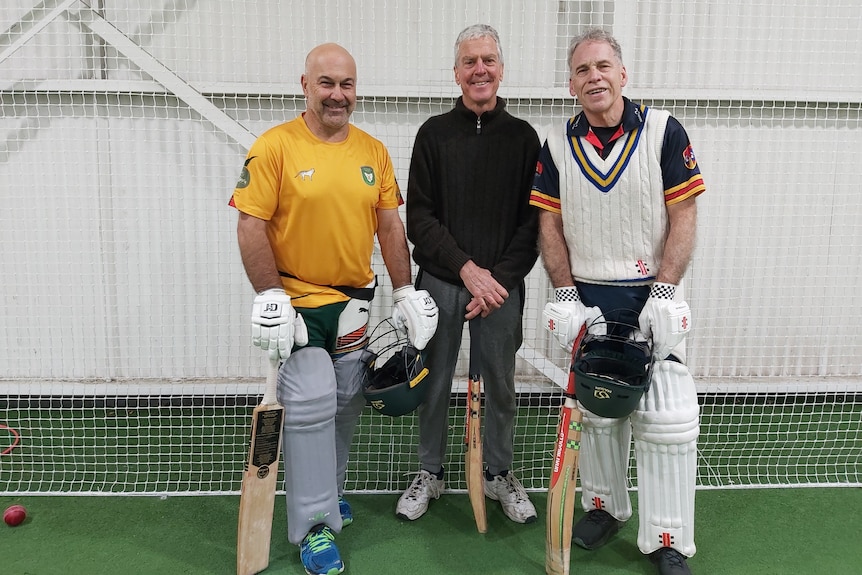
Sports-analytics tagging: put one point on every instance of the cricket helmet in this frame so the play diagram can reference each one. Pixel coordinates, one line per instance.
(398, 386)
(612, 371)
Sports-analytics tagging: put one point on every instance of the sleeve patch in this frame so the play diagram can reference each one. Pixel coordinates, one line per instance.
(688, 158)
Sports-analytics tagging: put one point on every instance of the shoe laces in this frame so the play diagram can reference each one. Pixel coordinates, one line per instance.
(514, 487)
(320, 540)
(423, 482)
(598, 516)
(674, 558)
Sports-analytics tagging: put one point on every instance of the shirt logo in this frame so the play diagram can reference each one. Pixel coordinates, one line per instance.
(245, 175)
(368, 175)
(642, 267)
(305, 175)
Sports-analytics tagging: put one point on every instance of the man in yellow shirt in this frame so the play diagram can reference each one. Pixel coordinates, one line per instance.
(313, 193)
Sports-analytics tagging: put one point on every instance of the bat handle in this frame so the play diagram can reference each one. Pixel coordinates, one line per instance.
(270, 391)
(570, 391)
(475, 361)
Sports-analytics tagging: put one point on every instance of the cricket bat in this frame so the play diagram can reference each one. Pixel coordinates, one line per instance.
(564, 476)
(257, 498)
(474, 464)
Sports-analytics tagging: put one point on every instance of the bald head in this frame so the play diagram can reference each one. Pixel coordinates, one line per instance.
(329, 85)
(327, 55)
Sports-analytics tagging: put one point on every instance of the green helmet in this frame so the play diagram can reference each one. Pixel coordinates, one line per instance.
(612, 372)
(397, 387)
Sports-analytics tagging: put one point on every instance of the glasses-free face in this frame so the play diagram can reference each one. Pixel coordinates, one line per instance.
(329, 85)
(478, 71)
(597, 81)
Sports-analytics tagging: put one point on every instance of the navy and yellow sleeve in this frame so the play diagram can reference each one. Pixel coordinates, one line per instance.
(546, 183)
(680, 173)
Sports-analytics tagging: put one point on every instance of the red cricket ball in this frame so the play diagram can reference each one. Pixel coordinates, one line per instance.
(15, 515)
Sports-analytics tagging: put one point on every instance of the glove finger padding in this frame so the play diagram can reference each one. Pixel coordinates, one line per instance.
(282, 342)
(560, 322)
(274, 323)
(564, 320)
(300, 332)
(667, 322)
(415, 312)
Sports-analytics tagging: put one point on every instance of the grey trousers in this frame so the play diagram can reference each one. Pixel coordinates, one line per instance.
(501, 338)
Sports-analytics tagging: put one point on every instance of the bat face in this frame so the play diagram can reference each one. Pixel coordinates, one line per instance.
(265, 441)
(473, 463)
(561, 490)
(260, 474)
(564, 476)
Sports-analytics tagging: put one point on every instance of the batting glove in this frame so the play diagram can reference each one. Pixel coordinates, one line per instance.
(415, 313)
(567, 314)
(665, 320)
(275, 325)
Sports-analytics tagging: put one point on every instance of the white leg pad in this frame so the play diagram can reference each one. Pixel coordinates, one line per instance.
(306, 389)
(666, 427)
(604, 462)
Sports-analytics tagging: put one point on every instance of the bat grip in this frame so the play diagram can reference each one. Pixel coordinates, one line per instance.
(270, 391)
(570, 391)
(475, 367)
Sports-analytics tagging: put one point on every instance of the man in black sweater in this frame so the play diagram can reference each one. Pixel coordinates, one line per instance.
(475, 240)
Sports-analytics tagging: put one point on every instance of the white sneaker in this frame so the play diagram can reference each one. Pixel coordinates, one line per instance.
(512, 496)
(414, 503)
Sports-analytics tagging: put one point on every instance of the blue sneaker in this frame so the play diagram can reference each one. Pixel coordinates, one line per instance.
(319, 554)
(346, 512)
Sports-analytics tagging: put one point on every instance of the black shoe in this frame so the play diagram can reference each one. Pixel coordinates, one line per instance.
(594, 529)
(669, 562)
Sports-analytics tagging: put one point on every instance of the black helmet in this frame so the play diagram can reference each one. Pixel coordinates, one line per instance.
(612, 372)
(395, 388)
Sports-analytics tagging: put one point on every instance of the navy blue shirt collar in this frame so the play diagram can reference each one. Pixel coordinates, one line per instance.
(633, 117)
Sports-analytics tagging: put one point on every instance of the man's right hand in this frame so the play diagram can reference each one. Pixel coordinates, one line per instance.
(275, 325)
(564, 317)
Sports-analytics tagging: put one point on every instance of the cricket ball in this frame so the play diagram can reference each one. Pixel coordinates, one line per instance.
(15, 515)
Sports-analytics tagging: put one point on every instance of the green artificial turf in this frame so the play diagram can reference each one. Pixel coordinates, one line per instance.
(812, 531)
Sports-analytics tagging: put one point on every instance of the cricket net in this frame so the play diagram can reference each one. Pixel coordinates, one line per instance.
(126, 365)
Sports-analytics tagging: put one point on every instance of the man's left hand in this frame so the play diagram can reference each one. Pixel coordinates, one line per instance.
(665, 320)
(415, 312)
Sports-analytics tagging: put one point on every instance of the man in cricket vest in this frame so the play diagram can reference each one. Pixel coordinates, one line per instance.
(616, 186)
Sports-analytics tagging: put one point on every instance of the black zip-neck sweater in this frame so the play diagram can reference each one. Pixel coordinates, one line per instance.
(468, 194)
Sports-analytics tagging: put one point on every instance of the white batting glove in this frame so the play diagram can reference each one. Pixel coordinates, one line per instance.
(275, 325)
(565, 317)
(415, 313)
(664, 319)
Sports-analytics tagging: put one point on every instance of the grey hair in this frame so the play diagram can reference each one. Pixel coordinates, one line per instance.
(478, 31)
(594, 35)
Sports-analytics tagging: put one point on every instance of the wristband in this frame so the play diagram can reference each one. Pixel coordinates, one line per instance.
(569, 293)
(661, 290)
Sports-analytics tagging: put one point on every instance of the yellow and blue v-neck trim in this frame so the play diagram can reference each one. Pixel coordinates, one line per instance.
(605, 180)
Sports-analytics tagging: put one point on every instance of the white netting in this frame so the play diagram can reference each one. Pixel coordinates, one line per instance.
(125, 361)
